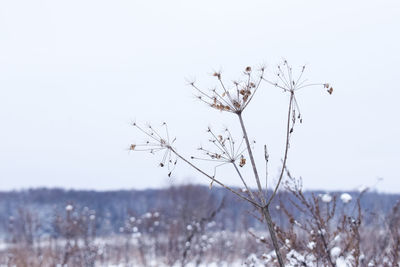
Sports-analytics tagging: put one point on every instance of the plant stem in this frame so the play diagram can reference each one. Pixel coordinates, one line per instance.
(266, 157)
(264, 209)
(286, 150)
(267, 216)
(253, 163)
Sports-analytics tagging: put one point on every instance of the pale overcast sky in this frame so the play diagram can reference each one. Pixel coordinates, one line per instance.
(74, 74)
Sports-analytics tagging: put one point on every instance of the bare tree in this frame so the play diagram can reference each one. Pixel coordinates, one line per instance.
(226, 150)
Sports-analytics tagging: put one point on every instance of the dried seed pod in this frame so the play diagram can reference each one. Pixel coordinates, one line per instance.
(242, 161)
(236, 104)
(217, 74)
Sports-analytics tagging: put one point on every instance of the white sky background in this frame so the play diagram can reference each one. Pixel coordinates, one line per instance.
(74, 74)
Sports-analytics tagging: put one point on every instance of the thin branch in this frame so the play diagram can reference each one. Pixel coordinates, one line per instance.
(244, 182)
(266, 157)
(276, 85)
(286, 149)
(213, 179)
(255, 90)
(225, 90)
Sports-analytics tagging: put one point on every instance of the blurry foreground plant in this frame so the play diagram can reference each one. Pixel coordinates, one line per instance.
(234, 99)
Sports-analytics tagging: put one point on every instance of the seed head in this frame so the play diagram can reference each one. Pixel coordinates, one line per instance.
(233, 98)
(242, 161)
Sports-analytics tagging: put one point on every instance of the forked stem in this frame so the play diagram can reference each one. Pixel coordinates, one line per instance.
(264, 208)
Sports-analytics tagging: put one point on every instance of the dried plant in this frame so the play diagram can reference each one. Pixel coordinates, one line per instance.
(155, 143)
(235, 98)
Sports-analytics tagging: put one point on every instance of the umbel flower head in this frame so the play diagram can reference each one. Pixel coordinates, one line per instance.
(224, 150)
(290, 82)
(235, 97)
(156, 143)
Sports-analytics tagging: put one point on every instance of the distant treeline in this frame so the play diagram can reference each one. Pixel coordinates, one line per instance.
(113, 208)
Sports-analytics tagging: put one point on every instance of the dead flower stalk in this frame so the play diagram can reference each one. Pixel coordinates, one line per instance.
(224, 149)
